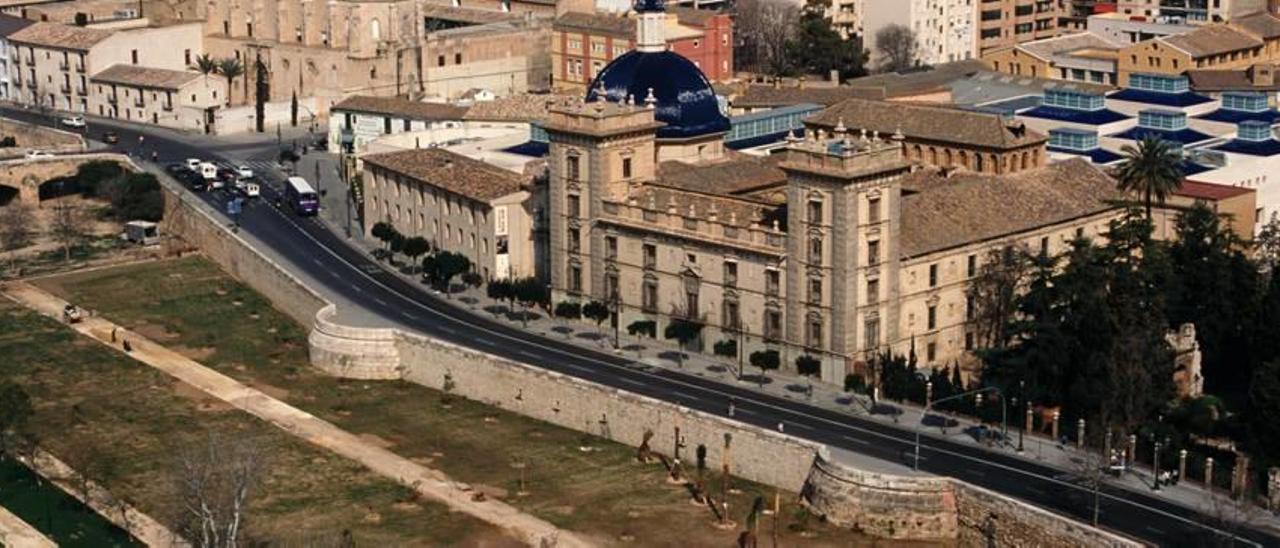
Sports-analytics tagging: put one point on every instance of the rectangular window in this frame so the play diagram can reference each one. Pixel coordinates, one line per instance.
(772, 280)
(815, 250)
(650, 256)
(405, 125)
(873, 210)
(611, 247)
(731, 319)
(611, 286)
(626, 168)
(573, 206)
(575, 278)
(968, 340)
(815, 212)
(1044, 245)
(933, 275)
(931, 352)
(813, 337)
(650, 295)
(871, 333)
(133, 54)
(772, 324)
(873, 252)
(386, 125)
(730, 274)
(815, 291)
(933, 317)
(873, 290)
(691, 303)
(575, 245)
(968, 308)
(972, 268)
(572, 168)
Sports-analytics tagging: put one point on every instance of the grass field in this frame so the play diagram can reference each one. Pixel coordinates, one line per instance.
(605, 494)
(93, 405)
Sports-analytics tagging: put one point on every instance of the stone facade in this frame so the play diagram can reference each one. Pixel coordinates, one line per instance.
(26, 175)
(990, 519)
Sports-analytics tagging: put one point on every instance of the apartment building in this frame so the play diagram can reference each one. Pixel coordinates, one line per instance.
(583, 43)
(945, 29)
(9, 90)
(1005, 23)
(180, 99)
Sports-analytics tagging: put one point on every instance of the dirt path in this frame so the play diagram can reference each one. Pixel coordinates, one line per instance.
(430, 483)
(20, 534)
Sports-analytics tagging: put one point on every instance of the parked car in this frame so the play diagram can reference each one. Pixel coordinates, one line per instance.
(244, 172)
(110, 137)
(73, 121)
(194, 164)
(193, 180)
(249, 188)
(33, 154)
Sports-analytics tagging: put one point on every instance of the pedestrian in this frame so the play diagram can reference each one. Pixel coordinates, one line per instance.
(155, 156)
(780, 428)
(732, 404)
(127, 347)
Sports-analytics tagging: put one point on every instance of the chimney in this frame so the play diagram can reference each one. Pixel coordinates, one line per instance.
(1262, 74)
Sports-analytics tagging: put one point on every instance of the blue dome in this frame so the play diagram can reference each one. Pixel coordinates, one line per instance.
(686, 102)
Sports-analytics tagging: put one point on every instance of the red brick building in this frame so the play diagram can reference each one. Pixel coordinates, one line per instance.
(583, 43)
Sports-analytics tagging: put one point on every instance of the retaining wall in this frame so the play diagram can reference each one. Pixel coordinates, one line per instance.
(882, 505)
(991, 519)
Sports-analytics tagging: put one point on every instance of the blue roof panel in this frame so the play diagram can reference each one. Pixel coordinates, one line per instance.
(1236, 116)
(1192, 168)
(1089, 117)
(685, 100)
(1270, 147)
(760, 140)
(1098, 156)
(1184, 136)
(1187, 99)
(533, 149)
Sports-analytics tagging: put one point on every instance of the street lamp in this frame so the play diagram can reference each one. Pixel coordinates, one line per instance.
(1155, 461)
(929, 404)
(1022, 389)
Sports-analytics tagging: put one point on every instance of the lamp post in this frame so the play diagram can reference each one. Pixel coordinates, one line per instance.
(1155, 467)
(616, 304)
(1022, 389)
(928, 404)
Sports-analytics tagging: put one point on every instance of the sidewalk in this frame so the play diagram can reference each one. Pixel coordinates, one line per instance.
(431, 483)
(20, 534)
(961, 429)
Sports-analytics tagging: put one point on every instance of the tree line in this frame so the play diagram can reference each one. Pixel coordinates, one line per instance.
(779, 38)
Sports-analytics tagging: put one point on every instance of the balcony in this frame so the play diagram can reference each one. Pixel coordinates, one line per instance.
(63, 66)
(65, 89)
(139, 103)
(79, 66)
(81, 91)
(168, 107)
(31, 61)
(112, 99)
(31, 84)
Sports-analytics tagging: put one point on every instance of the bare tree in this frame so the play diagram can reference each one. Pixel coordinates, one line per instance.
(1091, 468)
(68, 227)
(215, 480)
(762, 29)
(1231, 515)
(993, 294)
(896, 45)
(16, 223)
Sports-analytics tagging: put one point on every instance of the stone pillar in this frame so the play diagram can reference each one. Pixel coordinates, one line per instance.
(1182, 464)
(1026, 428)
(928, 392)
(1208, 473)
(1132, 450)
(1080, 433)
(1055, 426)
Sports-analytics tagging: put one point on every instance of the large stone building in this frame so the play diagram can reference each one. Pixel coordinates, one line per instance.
(9, 91)
(171, 98)
(840, 248)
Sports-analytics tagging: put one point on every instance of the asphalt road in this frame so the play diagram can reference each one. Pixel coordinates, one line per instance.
(333, 263)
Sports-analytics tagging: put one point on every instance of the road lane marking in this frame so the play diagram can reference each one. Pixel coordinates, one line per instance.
(631, 382)
(856, 440)
(684, 395)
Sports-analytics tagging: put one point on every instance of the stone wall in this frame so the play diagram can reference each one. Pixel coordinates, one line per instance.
(353, 352)
(990, 519)
(193, 222)
(28, 136)
(881, 505)
(26, 175)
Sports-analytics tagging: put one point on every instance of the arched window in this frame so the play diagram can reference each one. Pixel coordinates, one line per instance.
(1024, 160)
(977, 166)
(950, 159)
(375, 30)
(964, 159)
(933, 156)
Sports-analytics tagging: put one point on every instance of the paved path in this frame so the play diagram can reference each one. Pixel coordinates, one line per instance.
(430, 483)
(16, 533)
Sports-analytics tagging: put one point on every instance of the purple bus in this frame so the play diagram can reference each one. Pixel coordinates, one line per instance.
(302, 198)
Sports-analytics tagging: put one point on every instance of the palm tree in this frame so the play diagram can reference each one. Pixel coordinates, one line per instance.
(205, 64)
(230, 68)
(1152, 169)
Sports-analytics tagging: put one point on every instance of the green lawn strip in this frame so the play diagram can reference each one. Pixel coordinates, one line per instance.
(604, 493)
(91, 402)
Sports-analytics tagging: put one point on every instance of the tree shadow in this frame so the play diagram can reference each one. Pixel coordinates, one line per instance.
(797, 388)
(673, 356)
(523, 315)
(563, 330)
(497, 309)
(717, 368)
(468, 300)
(885, 409)
(844, 400)
(756, 379)
(591, 335)
(939, 421)
(634, 347)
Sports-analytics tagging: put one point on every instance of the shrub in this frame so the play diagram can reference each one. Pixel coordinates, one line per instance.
(727, 347)
(807, 365)
(854, 382)
(766, 359)
(93, 174)
(138, 196)
(569, 310)
(648, 328)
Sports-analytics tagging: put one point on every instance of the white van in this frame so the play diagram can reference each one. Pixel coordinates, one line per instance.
(194, 164)
(209, 171)
(249, 188)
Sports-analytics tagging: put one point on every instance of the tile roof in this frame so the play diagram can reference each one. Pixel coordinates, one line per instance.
(1210, 191)
(1212, 40)
(597, 23)
(952, 211)
(1227, 80)
(405, 108)
(450, 171)
(1049, 47)
(692, 16)
(917, 81)
(934, 123)
(10, 24)
(528, 107)
(738, 174)
(1261, 24)
(466, 15)
(60, 36)
(133, 75)
(767, 95)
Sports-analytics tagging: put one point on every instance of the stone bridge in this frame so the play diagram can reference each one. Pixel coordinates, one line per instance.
(26, 175)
